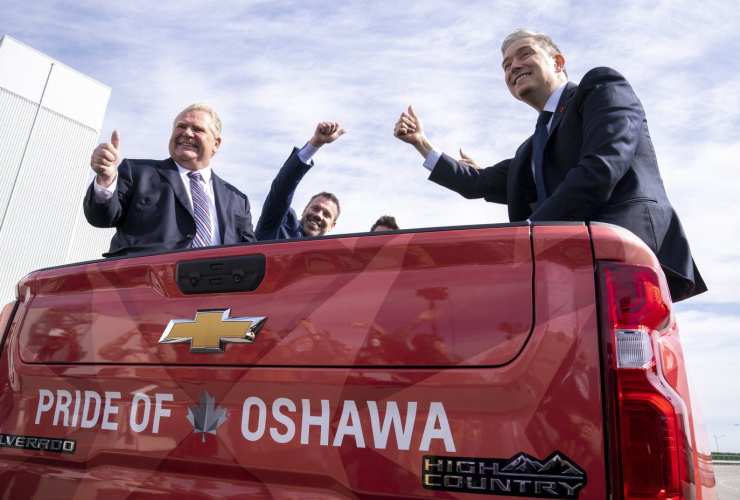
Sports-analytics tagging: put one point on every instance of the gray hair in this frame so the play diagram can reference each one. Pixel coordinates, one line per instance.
(545, 42)
(199, 106)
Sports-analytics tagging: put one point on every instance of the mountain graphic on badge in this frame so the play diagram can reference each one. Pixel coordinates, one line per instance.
(523, 463)
(208, 417)
(557, 465)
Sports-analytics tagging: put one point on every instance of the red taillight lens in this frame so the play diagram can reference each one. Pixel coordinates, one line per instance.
(648, 439)
(650, 430)
(634, 297)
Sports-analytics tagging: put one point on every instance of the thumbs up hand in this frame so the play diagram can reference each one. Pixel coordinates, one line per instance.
(409, 128)
(105, 160)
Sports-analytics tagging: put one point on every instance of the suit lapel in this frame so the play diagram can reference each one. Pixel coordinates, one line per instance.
(221, 193)
(568, 91)
(168, 170)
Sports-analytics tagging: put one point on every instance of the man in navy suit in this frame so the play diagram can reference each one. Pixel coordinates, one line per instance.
(278, 220)
(170, 204)
(590, 159)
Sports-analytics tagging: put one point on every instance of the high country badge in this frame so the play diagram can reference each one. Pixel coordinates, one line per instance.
(210, 330)
(521, 476)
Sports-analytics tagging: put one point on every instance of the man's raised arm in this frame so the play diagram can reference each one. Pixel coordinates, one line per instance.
(463, 176)
(278, 220)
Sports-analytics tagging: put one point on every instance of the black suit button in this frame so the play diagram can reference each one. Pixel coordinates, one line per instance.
(569, 217)
(191, 236)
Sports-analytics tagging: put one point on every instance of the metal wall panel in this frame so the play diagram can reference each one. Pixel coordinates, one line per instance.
(43, 210)
(16, 119)
(23, 71)
(45, 163)
(87, 242)
(76, 96)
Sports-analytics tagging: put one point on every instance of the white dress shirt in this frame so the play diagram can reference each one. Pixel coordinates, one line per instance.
(102, 194)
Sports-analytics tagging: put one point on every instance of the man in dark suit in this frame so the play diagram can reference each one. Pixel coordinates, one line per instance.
(590, 159)
(278, 220)
(170, 204)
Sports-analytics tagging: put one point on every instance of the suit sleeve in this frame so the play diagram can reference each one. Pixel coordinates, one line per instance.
(613, 119)
(277, 204)
(247, 234)
(112, 212)
(472, 183)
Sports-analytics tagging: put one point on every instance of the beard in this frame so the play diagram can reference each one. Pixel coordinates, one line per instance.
(311, 230)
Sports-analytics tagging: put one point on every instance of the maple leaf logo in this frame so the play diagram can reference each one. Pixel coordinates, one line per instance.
(206, 419)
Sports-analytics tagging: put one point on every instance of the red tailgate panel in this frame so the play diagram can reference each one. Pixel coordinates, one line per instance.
(318, 431)
(424, 299)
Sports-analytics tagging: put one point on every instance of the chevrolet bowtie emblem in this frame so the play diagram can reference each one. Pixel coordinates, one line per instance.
(210, 330)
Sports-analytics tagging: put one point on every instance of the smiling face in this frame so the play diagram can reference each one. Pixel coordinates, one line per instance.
(319, 217)
(193, 141)
(531, 74)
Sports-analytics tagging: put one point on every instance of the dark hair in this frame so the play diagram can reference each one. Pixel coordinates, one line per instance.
(387, 221)
(328, 196)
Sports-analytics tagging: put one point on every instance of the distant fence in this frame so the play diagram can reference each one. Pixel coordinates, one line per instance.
(726, 458)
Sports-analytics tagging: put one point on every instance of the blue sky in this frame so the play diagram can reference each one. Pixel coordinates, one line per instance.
(273, 70)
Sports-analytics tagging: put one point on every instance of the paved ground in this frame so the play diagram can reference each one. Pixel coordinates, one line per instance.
(728, 481)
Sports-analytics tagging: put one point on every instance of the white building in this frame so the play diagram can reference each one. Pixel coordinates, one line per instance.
(50, 118)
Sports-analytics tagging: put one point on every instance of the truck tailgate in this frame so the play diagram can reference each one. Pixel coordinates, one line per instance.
(428, 299)
(433, 364)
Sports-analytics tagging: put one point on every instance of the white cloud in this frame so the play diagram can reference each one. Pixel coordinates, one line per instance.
(711, 350)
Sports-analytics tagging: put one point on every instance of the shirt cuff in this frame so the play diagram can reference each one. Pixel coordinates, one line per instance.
(432, 159)
(306, 152)
(104, 194)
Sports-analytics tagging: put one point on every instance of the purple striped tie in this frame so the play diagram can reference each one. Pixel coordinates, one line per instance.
(200, 211)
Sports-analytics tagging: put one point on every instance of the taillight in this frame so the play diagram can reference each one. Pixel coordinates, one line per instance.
(651, 441)
(6, 315)
(634, 297)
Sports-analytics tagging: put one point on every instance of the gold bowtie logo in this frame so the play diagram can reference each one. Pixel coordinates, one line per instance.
(210, 330)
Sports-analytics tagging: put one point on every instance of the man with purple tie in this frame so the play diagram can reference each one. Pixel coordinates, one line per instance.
(171, 204)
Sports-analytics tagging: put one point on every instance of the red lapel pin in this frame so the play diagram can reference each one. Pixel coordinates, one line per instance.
(561, 109)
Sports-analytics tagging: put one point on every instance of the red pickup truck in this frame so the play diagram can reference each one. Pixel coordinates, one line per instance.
(514, 360)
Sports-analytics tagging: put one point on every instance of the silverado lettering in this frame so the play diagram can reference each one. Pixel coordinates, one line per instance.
(37, 443)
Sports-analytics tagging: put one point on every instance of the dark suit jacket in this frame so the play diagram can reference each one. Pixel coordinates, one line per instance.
(278, 221)
(151, 210)
(599, 165)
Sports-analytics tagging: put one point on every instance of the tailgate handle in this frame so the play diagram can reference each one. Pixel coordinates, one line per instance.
(230, 274)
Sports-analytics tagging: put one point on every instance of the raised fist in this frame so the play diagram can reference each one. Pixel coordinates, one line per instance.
(326, 132)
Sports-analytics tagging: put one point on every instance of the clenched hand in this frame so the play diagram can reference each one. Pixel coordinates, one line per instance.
(105, 160)
(410, 130)
(409, 127)
(326, 133)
